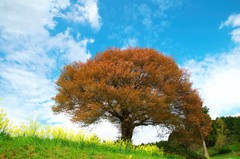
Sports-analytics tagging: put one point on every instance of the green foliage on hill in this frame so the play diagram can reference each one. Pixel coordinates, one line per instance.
(170, 148)
(224, 139)
(225, 131)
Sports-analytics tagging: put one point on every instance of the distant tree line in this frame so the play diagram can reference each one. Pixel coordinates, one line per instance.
(225, 131)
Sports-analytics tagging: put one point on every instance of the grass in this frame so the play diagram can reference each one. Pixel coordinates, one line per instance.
(231, 151)
(235, 155)
(34, 141)
(37, 148)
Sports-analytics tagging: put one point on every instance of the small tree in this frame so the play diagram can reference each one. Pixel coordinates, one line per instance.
(221, 133)
(131, 88)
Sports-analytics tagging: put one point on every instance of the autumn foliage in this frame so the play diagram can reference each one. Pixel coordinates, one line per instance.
(131, 88)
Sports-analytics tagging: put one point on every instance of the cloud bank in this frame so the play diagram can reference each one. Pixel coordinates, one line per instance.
(31, 58)
(217, 77)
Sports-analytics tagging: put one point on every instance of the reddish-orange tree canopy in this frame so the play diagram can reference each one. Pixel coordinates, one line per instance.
(131, 87)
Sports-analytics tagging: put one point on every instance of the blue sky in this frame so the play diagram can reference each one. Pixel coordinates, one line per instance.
(37, 38)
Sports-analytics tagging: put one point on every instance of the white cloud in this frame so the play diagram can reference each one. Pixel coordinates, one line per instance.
(104, 129)
(237, 115)
(30, 58)
(85, 11)
(27, 17)
(74, 50)
(233, 21)
(217, 79)
(236, 35)
(143, 134)
(149, 134)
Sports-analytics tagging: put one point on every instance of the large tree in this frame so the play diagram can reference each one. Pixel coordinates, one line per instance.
(131, 88)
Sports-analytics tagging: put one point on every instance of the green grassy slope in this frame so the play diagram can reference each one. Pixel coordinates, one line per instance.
(227, 156)
(35, 147)
(36, 141)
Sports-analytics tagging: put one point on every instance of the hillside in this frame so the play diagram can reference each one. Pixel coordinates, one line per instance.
(36, 141)
(35, 147)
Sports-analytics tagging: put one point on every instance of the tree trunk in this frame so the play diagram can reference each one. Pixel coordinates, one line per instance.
(205, 149)
(204, 144)
(126, 130)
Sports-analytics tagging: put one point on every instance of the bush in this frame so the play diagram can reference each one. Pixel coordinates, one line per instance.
(224, 150)
(179, 150)
(212, 152)
(221, 150)
(4, 135)
(235, 147)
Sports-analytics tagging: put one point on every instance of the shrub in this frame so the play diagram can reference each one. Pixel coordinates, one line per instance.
(179, 150)
(212, 152)
(224, 150)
